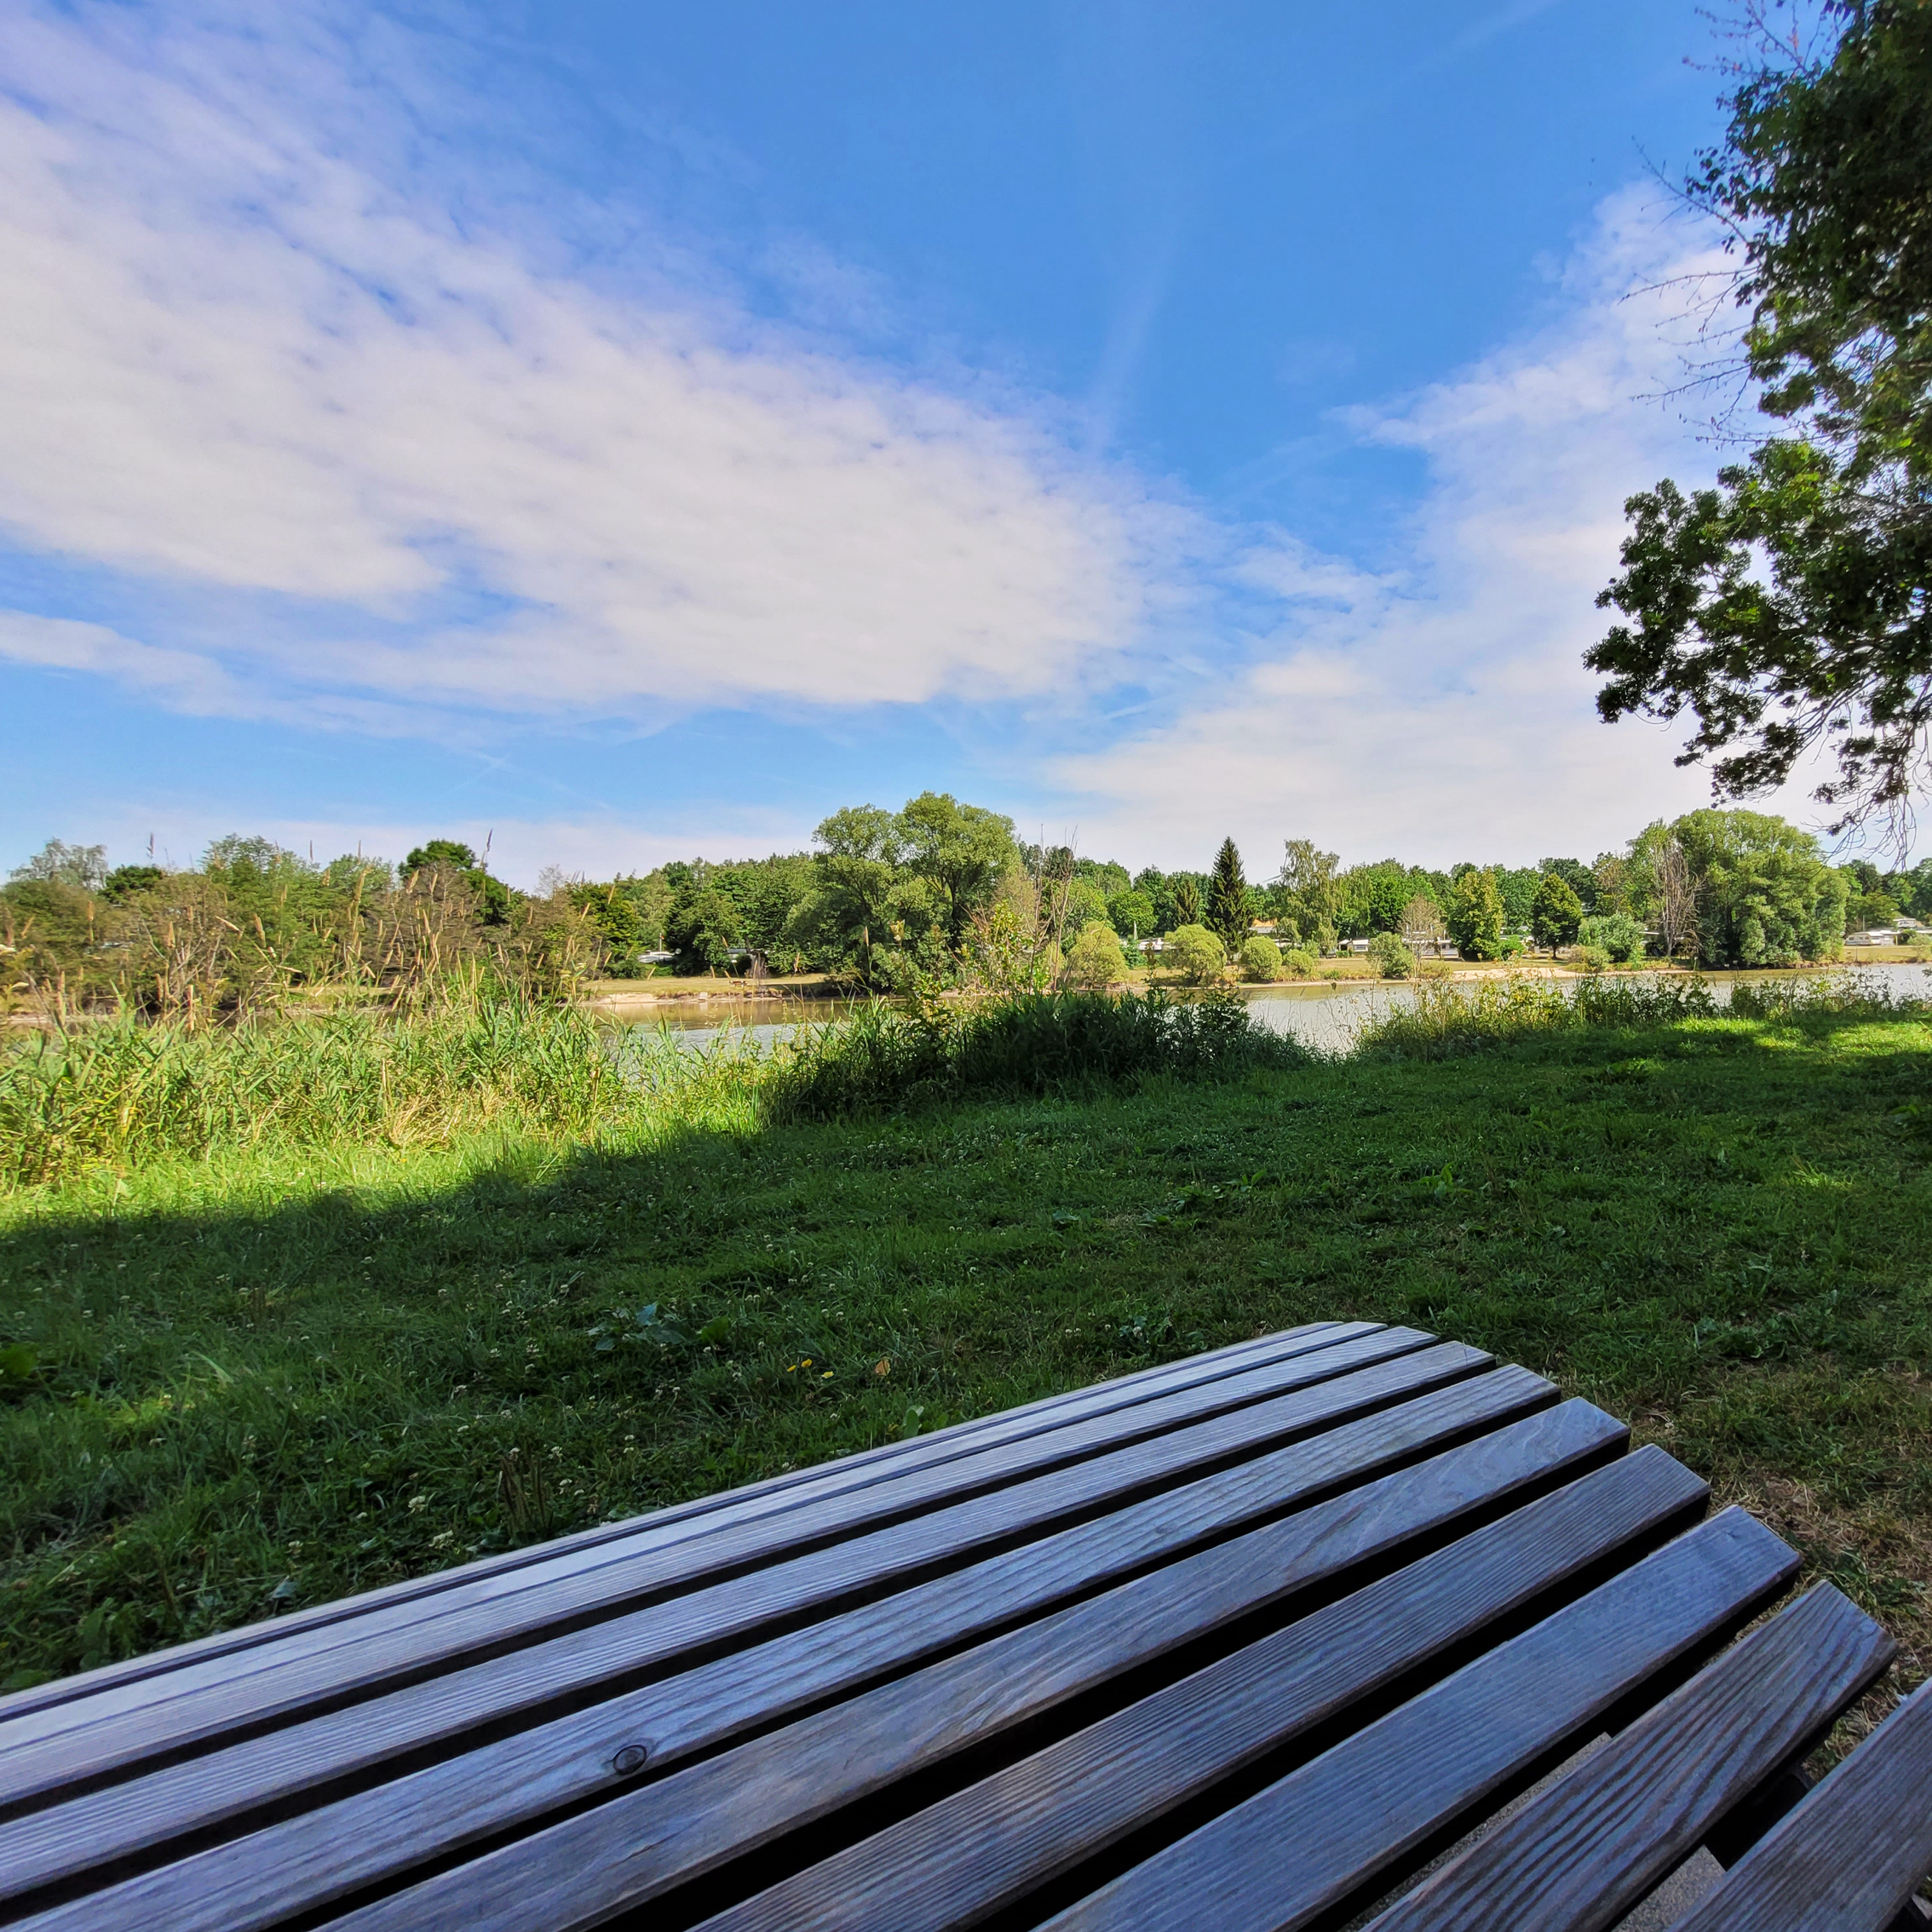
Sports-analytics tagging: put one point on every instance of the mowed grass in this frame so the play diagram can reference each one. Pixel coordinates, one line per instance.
(267, 1378)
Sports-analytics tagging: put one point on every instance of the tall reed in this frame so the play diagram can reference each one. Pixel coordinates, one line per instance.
(122, 1091)
(1448, 1017)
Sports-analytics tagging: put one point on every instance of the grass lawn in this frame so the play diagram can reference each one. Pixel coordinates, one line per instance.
(269, 1379)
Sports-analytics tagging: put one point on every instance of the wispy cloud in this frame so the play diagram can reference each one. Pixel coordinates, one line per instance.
(255, 350)
(1437, 704)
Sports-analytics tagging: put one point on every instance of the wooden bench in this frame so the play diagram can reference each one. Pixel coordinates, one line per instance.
(1245, 1640)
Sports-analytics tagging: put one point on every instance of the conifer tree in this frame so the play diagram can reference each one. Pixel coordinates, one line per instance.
(1228, 898)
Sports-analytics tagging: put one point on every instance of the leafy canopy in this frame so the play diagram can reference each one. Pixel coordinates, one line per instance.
(1310, 891)
(1474, 917)
(1555, 912)
(1825, 185)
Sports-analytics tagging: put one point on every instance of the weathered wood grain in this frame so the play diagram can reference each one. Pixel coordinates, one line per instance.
(838, 1476)
(786, 1778)
(1849, 1857)
(90, 1737)
(700, 1709)
(1582, 1854)
(1319, 1835)
(998, 1841)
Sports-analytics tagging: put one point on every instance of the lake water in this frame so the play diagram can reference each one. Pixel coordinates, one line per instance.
(1327, 1017)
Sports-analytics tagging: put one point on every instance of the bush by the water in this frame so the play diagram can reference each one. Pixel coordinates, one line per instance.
(1196, 954)
(1392, 960)
(1448, 1018)
(1097, 961)
(1616, 934)
(1260, 959)
(1035, 1044)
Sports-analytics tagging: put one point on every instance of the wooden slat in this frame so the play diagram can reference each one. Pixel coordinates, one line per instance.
(641, 1844)
(1582, 1854)
(1313, 1839)
(838, 1477)
(488, 1789)
(110, 1741)
(1850, 1856)
(1000, 1840)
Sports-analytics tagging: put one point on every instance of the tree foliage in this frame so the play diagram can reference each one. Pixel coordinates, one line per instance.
(1196, 954)
(1617, 935)
(492, 895)
(958, 850)
(1311, 894)
(1392, 959)
(1228, 898)
(1260, 959)
(704, 931)
(1095, 961)
(1765, 896)
(1375, 898)
(1825, 185)
(256, 925)
(1474, 915)
(1556, 913)
(1132, 913)
(82, 867)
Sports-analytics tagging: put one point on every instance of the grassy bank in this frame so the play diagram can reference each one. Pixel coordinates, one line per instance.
(260, 1364)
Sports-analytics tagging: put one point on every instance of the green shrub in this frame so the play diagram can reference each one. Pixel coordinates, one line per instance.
(1591, 958)
(1844, 996)
(1032, 1043)
(1261, 958)
(1095, 961)
(1447, 1018)
(1196, 954)
(1392, 959)
(1298, 963)
(1617, 934)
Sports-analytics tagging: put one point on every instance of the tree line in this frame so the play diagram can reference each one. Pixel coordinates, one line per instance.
(937, 893)
(253, 922)
(938, 888)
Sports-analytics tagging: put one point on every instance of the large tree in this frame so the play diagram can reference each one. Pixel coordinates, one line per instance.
(1555, 912)
(1474, 917)
(1790, 608)
(1765, 897)
(959, 850)
(1311, 890)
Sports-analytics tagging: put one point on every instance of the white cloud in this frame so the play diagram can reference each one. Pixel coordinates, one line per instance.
(183, 679)
(253, 343)
(1438, 707)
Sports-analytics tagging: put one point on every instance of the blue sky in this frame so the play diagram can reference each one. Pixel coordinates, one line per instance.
(627, 430)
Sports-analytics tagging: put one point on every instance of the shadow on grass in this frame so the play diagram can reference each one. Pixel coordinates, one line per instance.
(275, 1379)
